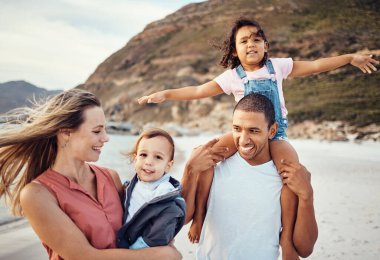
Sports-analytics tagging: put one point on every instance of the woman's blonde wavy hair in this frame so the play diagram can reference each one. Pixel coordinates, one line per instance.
(28, 141)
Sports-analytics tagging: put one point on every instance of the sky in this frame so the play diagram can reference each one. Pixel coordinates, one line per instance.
(57, 44)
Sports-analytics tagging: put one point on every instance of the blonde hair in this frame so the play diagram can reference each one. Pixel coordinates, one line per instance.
(30, 148)
(150, 133)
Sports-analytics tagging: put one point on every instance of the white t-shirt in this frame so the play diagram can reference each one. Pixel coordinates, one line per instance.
(243, 219)
(230, 81)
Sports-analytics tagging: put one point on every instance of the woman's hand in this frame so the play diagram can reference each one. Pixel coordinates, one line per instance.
(364, 62)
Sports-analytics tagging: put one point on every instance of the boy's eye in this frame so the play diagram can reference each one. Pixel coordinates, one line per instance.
(158, 157)
(142, 154)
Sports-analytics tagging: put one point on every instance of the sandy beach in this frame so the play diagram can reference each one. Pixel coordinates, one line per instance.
(346, 181)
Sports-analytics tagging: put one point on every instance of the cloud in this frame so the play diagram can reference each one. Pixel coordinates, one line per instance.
(58, 44)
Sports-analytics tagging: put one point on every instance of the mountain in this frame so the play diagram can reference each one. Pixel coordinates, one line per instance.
(178, 51)
(15, 94)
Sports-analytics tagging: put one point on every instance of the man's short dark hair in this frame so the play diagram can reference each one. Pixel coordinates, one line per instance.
(257, 103)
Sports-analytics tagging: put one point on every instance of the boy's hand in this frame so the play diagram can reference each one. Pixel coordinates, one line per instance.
(153, 98)
(364, 62)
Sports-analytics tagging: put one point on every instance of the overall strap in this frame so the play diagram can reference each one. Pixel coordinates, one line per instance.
(240, 71)
(270, 68)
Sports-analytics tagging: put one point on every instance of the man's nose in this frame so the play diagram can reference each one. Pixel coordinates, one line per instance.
(244, 138)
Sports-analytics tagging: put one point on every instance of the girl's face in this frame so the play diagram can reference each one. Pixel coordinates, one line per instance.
(86, 142)
(153, 158)
(250, 49)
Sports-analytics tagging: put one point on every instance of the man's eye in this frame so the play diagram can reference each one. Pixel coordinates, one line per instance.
(96, 132)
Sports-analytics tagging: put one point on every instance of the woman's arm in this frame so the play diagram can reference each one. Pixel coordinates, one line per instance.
(208, 89)
(57, 230)
(304, 68)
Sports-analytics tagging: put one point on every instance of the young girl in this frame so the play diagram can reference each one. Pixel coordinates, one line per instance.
(154, 209)
(246, 53)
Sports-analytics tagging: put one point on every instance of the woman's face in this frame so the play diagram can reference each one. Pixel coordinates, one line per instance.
(86, 142)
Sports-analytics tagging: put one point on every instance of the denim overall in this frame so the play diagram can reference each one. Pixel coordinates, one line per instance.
(268, 88)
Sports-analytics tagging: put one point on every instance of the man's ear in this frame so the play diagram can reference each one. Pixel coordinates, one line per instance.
(273, 130)
(169, 165)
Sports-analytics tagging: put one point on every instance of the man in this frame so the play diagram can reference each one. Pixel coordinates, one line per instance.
(243, 219)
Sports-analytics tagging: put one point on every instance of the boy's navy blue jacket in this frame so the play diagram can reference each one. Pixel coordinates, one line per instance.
(157, 221)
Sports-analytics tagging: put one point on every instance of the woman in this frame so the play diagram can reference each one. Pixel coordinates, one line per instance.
(74, 207)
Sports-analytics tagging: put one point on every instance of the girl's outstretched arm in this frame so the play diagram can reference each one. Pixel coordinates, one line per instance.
(304, 68)
(208, 89)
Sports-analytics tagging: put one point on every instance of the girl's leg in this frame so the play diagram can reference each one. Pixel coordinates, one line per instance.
(203, 189)
(281, 149)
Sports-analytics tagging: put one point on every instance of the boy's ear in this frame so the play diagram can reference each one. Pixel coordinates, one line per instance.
(169, 165)
(273, 130)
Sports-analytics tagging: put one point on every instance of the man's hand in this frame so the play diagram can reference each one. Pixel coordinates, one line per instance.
(153, 98)
(297, 177)
(206, 156)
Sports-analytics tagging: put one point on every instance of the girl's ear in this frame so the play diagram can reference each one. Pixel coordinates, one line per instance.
(266, 46)
(169, 165)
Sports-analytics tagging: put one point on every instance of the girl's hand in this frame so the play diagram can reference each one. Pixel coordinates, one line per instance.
(153, 98)
(364, 62)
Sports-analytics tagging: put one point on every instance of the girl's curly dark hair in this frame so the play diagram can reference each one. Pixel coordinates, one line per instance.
(229, 45)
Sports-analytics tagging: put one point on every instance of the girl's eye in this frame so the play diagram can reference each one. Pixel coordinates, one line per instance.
(142, 154)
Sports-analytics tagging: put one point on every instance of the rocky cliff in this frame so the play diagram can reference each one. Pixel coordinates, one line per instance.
(178, 51)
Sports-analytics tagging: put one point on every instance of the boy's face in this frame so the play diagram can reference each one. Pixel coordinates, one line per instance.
(153, 158)
(251, 136)
(250, 49)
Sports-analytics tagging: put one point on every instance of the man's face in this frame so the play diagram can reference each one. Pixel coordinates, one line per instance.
(251, 136)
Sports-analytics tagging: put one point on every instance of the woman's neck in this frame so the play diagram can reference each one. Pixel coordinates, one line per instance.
(71, 168)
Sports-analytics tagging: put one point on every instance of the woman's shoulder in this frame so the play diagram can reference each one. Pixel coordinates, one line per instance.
(112, 173)
(35, 192)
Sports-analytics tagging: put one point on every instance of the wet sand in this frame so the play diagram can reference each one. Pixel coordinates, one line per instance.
(346, 181)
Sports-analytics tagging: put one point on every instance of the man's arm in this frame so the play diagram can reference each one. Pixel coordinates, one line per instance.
(202, 158)
(305, 234)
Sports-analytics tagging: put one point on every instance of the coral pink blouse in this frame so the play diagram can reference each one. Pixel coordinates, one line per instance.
(98, 219)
